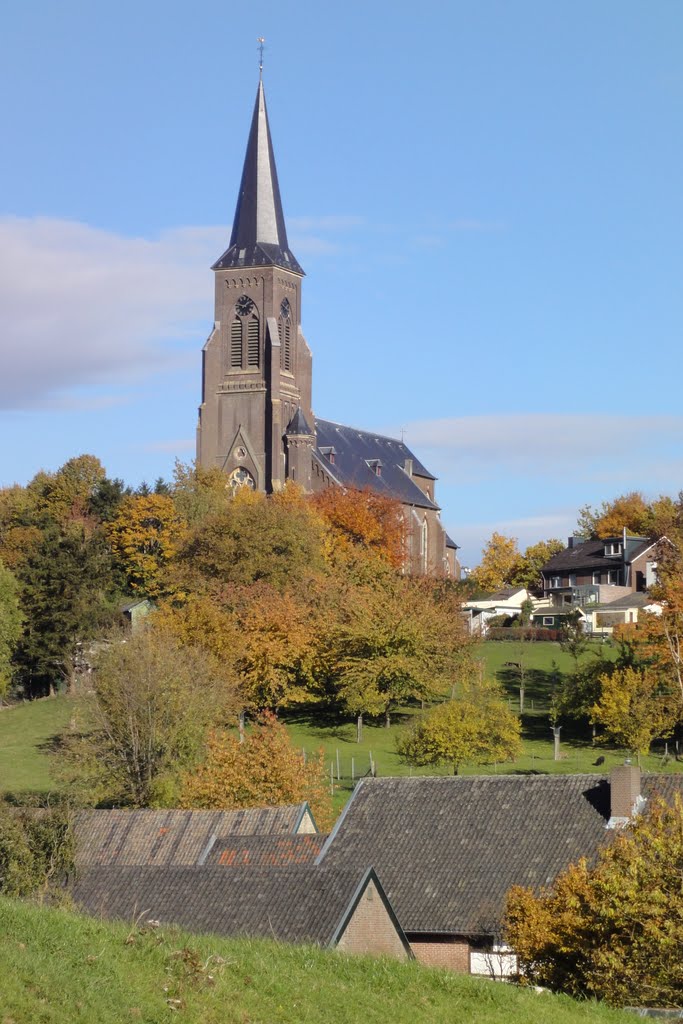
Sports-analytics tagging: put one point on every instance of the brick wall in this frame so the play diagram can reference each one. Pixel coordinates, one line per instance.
(441, 951)
(371, 929)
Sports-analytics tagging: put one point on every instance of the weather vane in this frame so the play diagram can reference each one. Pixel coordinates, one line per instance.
(261, 41)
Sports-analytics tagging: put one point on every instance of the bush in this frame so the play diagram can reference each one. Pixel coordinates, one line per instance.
(515, 633)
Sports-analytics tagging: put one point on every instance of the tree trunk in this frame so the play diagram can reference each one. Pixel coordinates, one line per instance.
(387, 719)
(455, 769)
(241, 725)
(359, 729)
(521, 700)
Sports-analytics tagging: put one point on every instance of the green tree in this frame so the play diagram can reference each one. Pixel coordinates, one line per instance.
(68, 598)
(464, 731)
(635, 707)
(11, 620)
(153, 705)
(611, 931)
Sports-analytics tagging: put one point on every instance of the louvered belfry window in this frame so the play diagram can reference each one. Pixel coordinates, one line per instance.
(236, 344)
(285, 335)
(253, 345)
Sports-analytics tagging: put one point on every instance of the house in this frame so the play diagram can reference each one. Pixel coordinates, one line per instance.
(135, 612)
(256, 421)
(599, 571)
(602, 618)
(344, 909)
(448, 849)
(178, 838)
(507, 601)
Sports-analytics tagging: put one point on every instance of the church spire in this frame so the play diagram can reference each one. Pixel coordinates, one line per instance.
(259, 236)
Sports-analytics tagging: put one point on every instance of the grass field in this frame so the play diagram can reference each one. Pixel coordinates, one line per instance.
(26, 731)
(60, 968)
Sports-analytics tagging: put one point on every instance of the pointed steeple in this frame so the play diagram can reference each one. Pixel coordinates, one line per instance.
(259, 236)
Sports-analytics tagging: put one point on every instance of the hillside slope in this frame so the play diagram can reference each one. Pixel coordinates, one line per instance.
(60, 968)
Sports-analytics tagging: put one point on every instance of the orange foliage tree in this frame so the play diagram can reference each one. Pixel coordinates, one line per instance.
(264, 770)
(363, 519)
(144, 535)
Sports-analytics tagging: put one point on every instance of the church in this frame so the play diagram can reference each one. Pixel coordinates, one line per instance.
(256, 421)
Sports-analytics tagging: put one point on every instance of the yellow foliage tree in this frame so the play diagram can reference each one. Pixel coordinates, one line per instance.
(144, 535)
(499, 563)
(635, 707)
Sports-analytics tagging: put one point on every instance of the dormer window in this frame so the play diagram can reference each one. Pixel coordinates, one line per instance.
(330, 454)
(375, 466)
(612, 548)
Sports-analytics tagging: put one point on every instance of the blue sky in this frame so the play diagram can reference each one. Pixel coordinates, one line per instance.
(486, 197)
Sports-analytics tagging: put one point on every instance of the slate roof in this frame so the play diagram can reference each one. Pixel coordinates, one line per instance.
(171, 837)
(448, 848)
(299, 424)
(590, 555)
(636, 600)
(259, 235)
(295, 904)
(263, 851)
(354, 449)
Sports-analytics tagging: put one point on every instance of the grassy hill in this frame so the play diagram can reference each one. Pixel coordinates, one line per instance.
(60, 968)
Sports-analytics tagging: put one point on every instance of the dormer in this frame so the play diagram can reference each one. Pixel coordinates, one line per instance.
(375, 465)
(330, 453)
(613, 548)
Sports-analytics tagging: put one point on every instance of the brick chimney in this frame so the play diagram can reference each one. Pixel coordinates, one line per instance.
(625, 796)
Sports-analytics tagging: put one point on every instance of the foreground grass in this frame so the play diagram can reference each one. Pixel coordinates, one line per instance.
(60, 968)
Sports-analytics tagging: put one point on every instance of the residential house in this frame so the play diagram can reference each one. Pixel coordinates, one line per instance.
(599, 571)
(448, 849)
(507, 601)
(344, 909)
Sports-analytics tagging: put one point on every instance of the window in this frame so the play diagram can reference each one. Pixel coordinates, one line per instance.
(236, 344)
(253, 343)
(612, 577)
(239, 478)
(555, 582)
(613, 548)
(572, 579)
(548, 620)
(424, 544)
(285, 335)
(596, 579)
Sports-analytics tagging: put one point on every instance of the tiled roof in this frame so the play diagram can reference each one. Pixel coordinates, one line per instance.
(448, 849)
(295, 904)
(263, 851)
(590, 555)
(171, 837)
(354, 449)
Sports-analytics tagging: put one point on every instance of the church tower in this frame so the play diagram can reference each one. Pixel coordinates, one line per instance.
(255, 416)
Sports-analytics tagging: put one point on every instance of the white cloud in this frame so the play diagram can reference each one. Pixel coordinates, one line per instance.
(83, 307)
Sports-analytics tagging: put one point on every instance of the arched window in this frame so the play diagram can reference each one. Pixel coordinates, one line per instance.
(424, 542)
(253, 342)
(286, 335)
(236, 343)
(239, 478)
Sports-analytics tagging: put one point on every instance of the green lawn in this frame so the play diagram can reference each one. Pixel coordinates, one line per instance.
(25, 734)
(60, 968)
(27, 729)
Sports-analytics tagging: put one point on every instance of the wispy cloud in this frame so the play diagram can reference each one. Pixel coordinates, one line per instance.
(81, 307)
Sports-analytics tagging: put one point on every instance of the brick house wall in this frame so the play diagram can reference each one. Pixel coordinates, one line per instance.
(371, 929)
(450, 952)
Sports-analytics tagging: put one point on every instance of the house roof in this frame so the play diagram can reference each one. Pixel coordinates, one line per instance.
(259, 235)
(637, 600)
(355, 449)
(292, 904)
(590, 555)
(263, 851)
(172, 837)
(448, 848)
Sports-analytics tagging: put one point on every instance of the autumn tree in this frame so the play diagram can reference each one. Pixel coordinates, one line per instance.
(255, 537)
(263, 770)
(153, 705)
(364, 519)
(199, 492)
(527, 572)
(635, 706)
(474, 730)
(499, 563)
(393, 641)
(10, 625)
(628, 512)
(145, 534)
(611, 931)
(65, 495)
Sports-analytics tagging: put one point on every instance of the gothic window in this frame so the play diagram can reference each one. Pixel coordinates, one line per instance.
(286, 335)
(236, 344)
(253, 342)
(424, 545)
(239, 478)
